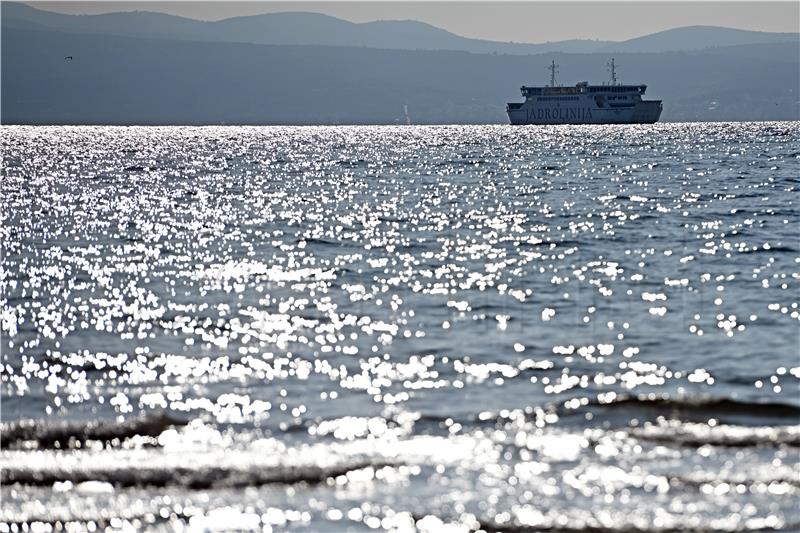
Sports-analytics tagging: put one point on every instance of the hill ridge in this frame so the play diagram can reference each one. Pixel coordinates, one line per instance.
(302, 27)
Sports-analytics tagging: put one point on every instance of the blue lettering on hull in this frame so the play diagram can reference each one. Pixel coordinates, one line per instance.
(558, 115)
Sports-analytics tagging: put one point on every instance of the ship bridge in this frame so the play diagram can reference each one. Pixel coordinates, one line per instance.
(581, 88)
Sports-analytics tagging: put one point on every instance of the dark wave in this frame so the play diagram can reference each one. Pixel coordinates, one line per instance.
(321, 241)
(103, 522)
(46, 434)
(696, 435)
(697, 482)
(192, 478)
(492, 527)
(488, 307)
(489, 526)
(701, 409)
(775, 249)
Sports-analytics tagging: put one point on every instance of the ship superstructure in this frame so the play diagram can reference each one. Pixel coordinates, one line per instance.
(611, 103)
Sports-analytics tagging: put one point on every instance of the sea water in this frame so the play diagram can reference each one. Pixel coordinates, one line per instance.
(359, 328)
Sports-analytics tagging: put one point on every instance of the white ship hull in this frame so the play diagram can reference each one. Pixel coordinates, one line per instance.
(584, 112)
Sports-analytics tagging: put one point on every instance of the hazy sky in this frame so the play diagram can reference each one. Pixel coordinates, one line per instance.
(501, 21)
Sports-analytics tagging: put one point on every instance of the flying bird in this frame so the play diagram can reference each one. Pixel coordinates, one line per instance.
(68, 58)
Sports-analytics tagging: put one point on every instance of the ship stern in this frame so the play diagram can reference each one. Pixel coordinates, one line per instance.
(648, 111)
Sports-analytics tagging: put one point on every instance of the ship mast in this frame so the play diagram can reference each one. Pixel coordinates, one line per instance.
(553, 68)
(613, 68)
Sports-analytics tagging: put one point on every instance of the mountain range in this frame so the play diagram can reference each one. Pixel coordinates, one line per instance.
(306, 68)
(302, 28)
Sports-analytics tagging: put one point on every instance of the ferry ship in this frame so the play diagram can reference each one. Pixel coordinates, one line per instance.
(611, 103)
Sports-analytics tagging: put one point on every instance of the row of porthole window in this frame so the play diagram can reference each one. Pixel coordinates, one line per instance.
(559, 98)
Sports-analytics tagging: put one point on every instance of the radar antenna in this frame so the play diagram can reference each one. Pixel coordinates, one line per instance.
(553, 68)
(613, 69)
